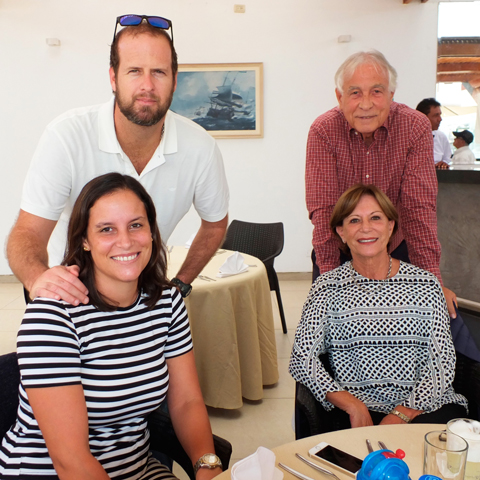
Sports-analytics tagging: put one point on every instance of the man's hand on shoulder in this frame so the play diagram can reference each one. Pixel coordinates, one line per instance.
(450, 297)
(60, 283)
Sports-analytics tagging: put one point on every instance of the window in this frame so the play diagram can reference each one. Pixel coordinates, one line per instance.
(458, 69)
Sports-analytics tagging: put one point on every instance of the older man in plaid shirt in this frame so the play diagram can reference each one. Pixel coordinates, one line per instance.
(369, 138)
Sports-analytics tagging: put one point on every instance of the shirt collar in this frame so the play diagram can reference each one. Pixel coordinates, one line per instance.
(107, 138)
(108, 142)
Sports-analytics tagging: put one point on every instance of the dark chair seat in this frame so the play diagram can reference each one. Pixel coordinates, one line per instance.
(264, 241)
(163, 437)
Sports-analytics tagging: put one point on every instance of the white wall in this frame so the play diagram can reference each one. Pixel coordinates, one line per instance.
(295, 39)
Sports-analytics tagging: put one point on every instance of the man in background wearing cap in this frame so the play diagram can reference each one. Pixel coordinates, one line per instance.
(463, 154)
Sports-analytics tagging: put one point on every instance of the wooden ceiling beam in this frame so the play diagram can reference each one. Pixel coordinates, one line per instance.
(458, 49)
(458, 60)
(458, 67)
(472, 78)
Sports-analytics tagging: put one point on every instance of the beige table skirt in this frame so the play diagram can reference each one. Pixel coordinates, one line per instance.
(233, 332)
(409, 438)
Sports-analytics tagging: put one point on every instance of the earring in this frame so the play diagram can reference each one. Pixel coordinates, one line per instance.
(86, 249)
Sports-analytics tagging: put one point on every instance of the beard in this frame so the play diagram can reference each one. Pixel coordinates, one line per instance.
(147, 115)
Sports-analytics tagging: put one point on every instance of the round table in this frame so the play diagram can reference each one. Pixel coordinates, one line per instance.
(409, 438)
(232, 329)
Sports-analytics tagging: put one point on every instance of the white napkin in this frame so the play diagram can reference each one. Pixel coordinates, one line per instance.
(233, 265)
(258, 466)
(188, 243)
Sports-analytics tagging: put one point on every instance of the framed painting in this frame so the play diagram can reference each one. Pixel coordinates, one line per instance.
(224, 98)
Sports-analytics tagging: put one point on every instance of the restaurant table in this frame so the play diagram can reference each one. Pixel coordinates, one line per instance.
(232, 328)
(409, 438)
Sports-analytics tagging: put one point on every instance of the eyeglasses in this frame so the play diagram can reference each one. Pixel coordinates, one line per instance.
(135, 20)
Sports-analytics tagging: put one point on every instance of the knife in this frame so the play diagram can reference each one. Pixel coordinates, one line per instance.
(315, 466)
(294, 472)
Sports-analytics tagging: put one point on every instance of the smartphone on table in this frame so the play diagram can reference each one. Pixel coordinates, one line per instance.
(337, 458)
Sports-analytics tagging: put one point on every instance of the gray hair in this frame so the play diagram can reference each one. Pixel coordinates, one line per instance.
(372, 57)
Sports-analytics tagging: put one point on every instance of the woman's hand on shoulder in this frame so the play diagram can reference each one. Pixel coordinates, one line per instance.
(356, 409)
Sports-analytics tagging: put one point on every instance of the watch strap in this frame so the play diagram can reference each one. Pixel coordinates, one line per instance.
(185, 288)
(400, 415)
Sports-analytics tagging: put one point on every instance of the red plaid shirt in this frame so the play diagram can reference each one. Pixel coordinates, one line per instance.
(399, 161)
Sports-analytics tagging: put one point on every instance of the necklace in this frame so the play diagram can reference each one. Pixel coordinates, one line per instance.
(379, 286)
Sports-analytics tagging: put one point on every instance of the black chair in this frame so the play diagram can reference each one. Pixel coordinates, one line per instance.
(264, 241)
(162, 435)
(312, 419)
(466, 338)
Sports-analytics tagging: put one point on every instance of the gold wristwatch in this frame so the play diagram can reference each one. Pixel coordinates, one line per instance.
(209, 460)
(400, 415)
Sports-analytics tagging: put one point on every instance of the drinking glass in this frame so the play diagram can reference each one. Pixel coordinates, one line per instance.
(470, 431)
(443, 460)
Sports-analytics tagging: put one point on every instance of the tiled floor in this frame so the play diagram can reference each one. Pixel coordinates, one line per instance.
(267, 422)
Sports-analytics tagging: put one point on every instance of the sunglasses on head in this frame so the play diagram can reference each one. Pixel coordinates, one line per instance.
(135, 20)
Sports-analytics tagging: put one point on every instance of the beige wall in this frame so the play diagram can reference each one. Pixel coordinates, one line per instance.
(295, 39)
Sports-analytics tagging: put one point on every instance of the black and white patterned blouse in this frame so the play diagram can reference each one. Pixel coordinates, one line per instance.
(388, 341)
(118, 357)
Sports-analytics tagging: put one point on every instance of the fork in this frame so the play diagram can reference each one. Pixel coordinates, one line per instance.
(201, 277)
(207, 279)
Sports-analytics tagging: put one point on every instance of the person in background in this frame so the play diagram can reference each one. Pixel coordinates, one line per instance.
(371, 139)
(91, 374)
(381, 325)
(442, 151)
(463, 154)
(136, 134)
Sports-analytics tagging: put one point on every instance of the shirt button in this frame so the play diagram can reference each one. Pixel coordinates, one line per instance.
(368, 153)
(367, 176)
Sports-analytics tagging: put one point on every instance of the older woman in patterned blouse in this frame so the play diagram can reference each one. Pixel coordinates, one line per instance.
(383, 324)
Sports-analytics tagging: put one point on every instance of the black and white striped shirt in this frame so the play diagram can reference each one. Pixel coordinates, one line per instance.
(118, 358)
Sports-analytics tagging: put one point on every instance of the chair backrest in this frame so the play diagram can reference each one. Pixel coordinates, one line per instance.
(9, 381)
(466, 339)
(262, 240)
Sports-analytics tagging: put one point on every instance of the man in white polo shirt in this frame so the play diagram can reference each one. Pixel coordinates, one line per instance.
(135, 134)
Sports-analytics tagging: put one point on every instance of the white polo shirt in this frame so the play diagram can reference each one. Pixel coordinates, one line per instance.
(81, 144)
(442, 151)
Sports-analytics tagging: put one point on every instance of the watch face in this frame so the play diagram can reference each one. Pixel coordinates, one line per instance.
(210, 458)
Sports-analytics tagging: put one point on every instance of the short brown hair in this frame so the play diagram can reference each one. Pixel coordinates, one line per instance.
(348, 201)
(143, 28)
(153, 278)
